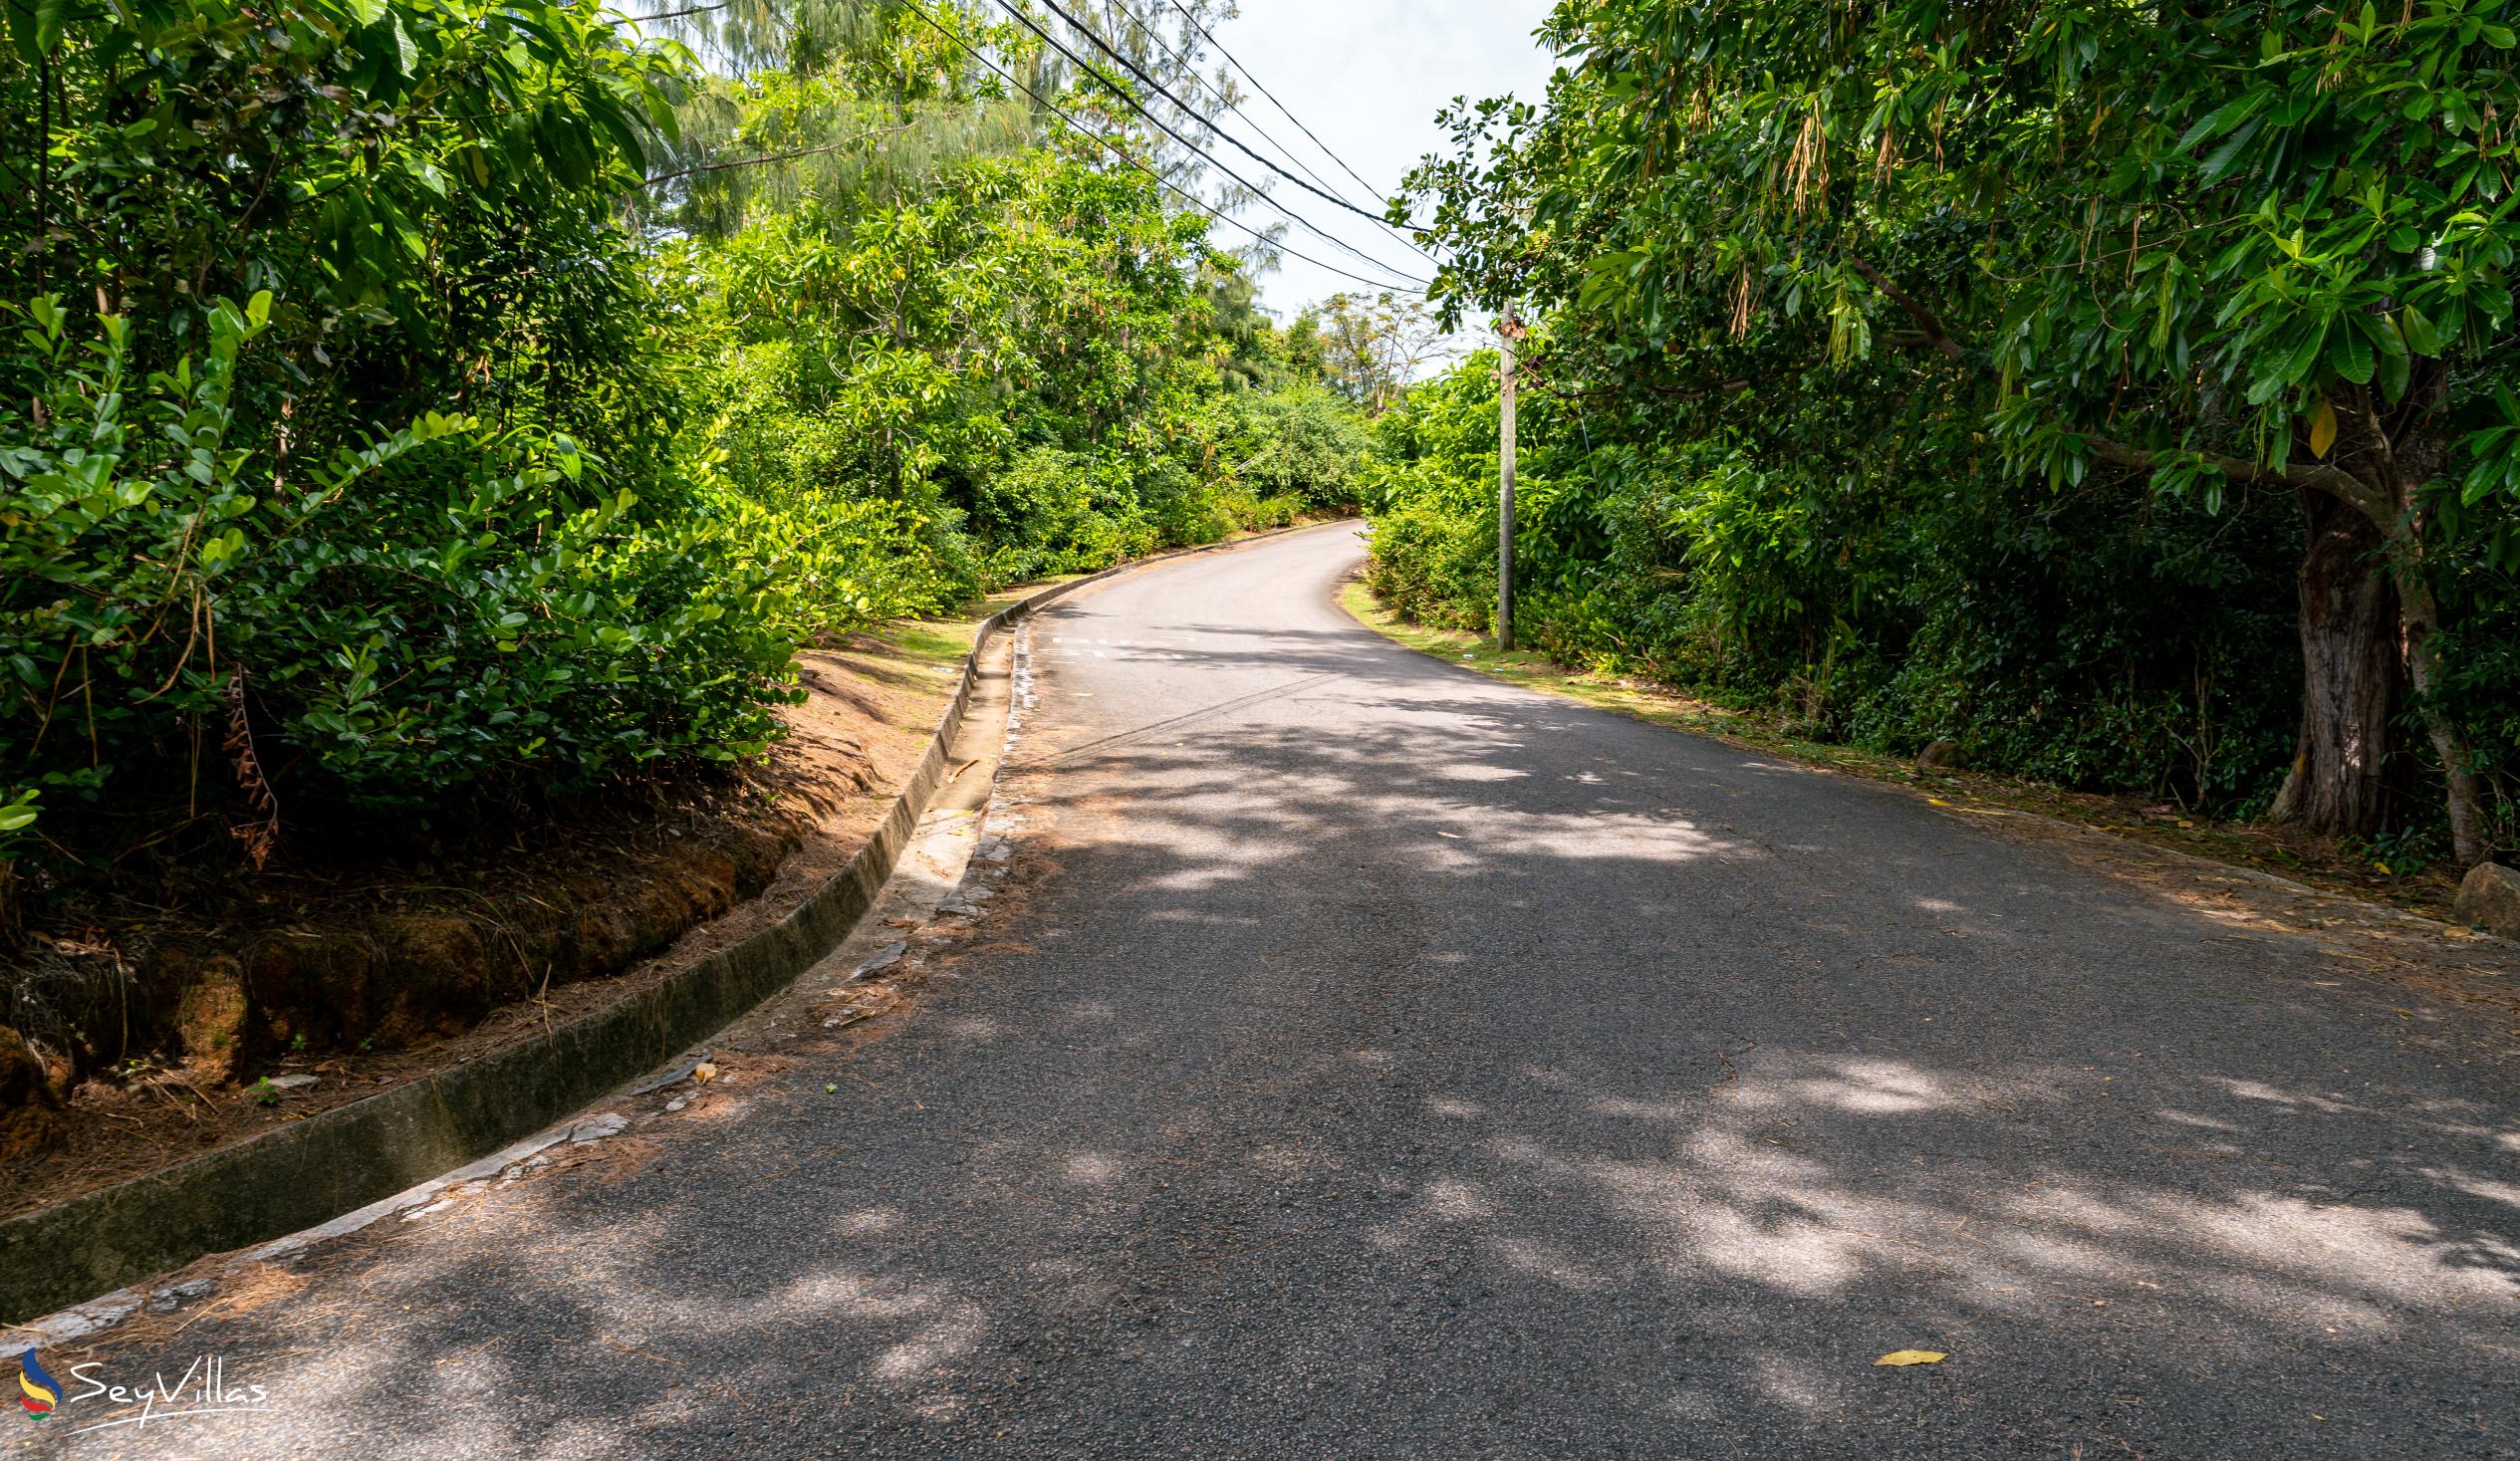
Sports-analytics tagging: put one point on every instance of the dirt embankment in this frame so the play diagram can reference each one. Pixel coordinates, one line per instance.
(140, 1036)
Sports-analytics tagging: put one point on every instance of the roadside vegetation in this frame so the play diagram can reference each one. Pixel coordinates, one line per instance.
(424, 421)
(2121, 396)
(411, 407)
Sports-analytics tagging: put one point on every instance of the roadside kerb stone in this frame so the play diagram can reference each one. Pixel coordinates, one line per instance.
(300, 1175)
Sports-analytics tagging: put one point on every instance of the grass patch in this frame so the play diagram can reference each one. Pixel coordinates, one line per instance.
(946, 640)
(935, 640)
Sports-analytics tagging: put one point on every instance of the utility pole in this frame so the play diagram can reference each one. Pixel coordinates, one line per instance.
(1506, 329)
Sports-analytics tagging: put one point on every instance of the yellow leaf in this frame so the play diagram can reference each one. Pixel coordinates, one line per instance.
(1911, 1356)
(2323, 429)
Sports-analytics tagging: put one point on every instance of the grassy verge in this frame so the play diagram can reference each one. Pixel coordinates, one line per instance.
(2322, 862)
(943, 641)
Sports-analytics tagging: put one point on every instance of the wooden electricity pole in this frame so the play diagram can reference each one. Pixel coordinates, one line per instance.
(1506, 329)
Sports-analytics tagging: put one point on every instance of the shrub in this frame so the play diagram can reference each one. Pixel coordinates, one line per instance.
(448, 605)
(1304, 443)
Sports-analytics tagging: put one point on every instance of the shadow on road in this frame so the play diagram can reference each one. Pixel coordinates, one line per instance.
(1387, 1062)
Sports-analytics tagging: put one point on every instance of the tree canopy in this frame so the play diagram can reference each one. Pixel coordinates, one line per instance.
(412, 406)
(2211, 251)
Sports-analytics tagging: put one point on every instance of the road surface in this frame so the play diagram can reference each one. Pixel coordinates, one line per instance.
(1369, 1059)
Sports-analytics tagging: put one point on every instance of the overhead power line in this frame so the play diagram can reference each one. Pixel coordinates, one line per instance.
(1236, 62)
(1114, 52)
(1190, 69)
(1117, 89)
(1116, 151)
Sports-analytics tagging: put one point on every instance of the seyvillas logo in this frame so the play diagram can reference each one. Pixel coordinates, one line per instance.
(203, 1389)
(42, 1391)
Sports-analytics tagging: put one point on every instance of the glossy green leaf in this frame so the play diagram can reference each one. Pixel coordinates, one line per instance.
(2417, 328)
(2350, 356)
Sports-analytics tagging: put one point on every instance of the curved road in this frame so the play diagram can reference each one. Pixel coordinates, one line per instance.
(1367, 1058)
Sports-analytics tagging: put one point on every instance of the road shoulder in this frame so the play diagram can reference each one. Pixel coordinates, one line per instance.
(2421, 969)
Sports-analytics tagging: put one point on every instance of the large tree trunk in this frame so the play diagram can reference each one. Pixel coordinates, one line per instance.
(2466, 789)
(2350, 674)
(2418, 457)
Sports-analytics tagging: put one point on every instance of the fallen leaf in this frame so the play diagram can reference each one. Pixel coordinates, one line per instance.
(1911, 1356)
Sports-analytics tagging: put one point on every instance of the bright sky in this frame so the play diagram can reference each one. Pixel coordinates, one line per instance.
(1367, 77)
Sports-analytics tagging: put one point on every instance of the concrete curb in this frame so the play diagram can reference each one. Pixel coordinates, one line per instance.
(300, 1175)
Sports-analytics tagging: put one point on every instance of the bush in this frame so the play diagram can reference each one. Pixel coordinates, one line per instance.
(449, 605)
(486, 490)
(2094, 640)
(1303, 442)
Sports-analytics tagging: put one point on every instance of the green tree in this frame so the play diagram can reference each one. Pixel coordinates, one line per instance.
(1373, 349)
(571, 389)
(2215, 246)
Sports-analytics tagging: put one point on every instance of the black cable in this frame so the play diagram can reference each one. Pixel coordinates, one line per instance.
(1117, 89)
(1114, 52)
(1086, 132)
(1191, 71)
(1273, 98)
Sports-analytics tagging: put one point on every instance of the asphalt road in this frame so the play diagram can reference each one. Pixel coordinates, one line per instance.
(1373, 1060)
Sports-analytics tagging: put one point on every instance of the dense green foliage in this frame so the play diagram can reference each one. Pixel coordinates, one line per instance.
(333, 423)
(1886, 600)
(1973, 373)
(408, 402)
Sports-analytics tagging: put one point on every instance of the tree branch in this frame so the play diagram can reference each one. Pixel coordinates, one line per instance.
(1926, 320)
(2338, 483)
(777, 156)
(680, 14)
